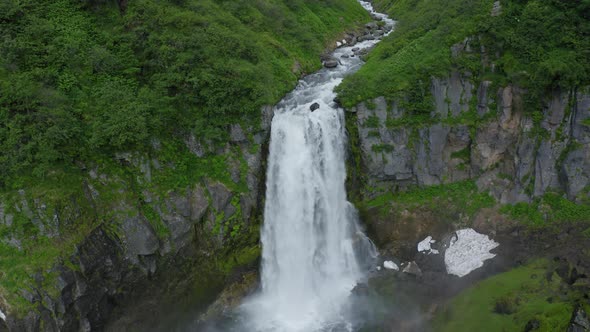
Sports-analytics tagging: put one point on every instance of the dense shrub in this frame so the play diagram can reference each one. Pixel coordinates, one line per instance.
(83, 78)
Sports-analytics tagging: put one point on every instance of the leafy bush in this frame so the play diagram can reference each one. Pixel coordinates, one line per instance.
(548, 209)
(82, 78)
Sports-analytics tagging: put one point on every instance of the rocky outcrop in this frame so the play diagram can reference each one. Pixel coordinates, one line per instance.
(483, 133)
(331, 62)
(579, 321)
(139, 233)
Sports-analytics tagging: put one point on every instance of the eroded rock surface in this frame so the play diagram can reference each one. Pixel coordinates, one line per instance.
(506, 151)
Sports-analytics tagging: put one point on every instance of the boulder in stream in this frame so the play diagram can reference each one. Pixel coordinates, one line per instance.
(331, 62)
(371, 26)
(579, 321)
(314, 107)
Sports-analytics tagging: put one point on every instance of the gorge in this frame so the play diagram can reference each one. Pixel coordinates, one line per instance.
(138, 160)
(313, 250)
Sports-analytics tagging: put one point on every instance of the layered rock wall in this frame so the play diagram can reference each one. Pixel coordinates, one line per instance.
(138, 236)
(481, 132)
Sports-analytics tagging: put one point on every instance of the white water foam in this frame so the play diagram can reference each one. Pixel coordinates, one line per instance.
(314, 252)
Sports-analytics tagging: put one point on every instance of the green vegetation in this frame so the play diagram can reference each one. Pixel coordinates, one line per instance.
(541, 45)
(86, 78)
(454, 198)
(382, 148)
(508, 301)
(372, 122)
(246, 256)
(401, 66)
(26, 251)
(544, 44)
(549, 209)
(97, 86)
(463, 154)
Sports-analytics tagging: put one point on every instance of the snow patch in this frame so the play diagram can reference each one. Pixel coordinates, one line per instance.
(468, 252)
(390, 265)
(424, 246)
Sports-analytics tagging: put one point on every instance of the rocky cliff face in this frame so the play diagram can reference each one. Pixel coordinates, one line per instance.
(139, 235)
(481, 132)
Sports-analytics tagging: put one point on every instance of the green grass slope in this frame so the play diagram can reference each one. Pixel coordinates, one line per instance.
(535, 44)
(508, 301)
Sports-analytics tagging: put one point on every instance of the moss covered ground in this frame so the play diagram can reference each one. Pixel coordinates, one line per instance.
(453, 198)
(508, 301)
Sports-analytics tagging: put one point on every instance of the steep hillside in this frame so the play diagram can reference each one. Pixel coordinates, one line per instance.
(536, 45)
(483, 93)
(83, 78)
(132, 145)
(477, 114)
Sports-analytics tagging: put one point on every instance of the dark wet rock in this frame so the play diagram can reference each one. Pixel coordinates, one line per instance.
(431, 262)
(220, 195)
(371, 26)
(496, 9)
(267, 113)
(195, 146)
(579, 321)
(361, 289)
(366, 37)
(376, 17)
(331, 62)
(140, 239)
(314, 107)
(345, 56)
(232, 296)
(446, 241)
(532, 325)
(236, 133)
(501, 155)
(412, 268)
(351, 38)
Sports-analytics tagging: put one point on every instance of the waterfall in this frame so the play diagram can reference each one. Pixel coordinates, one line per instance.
(314, 251)
(310, 237)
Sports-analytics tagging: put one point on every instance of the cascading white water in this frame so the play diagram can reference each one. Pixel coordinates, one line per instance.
(313, 249)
